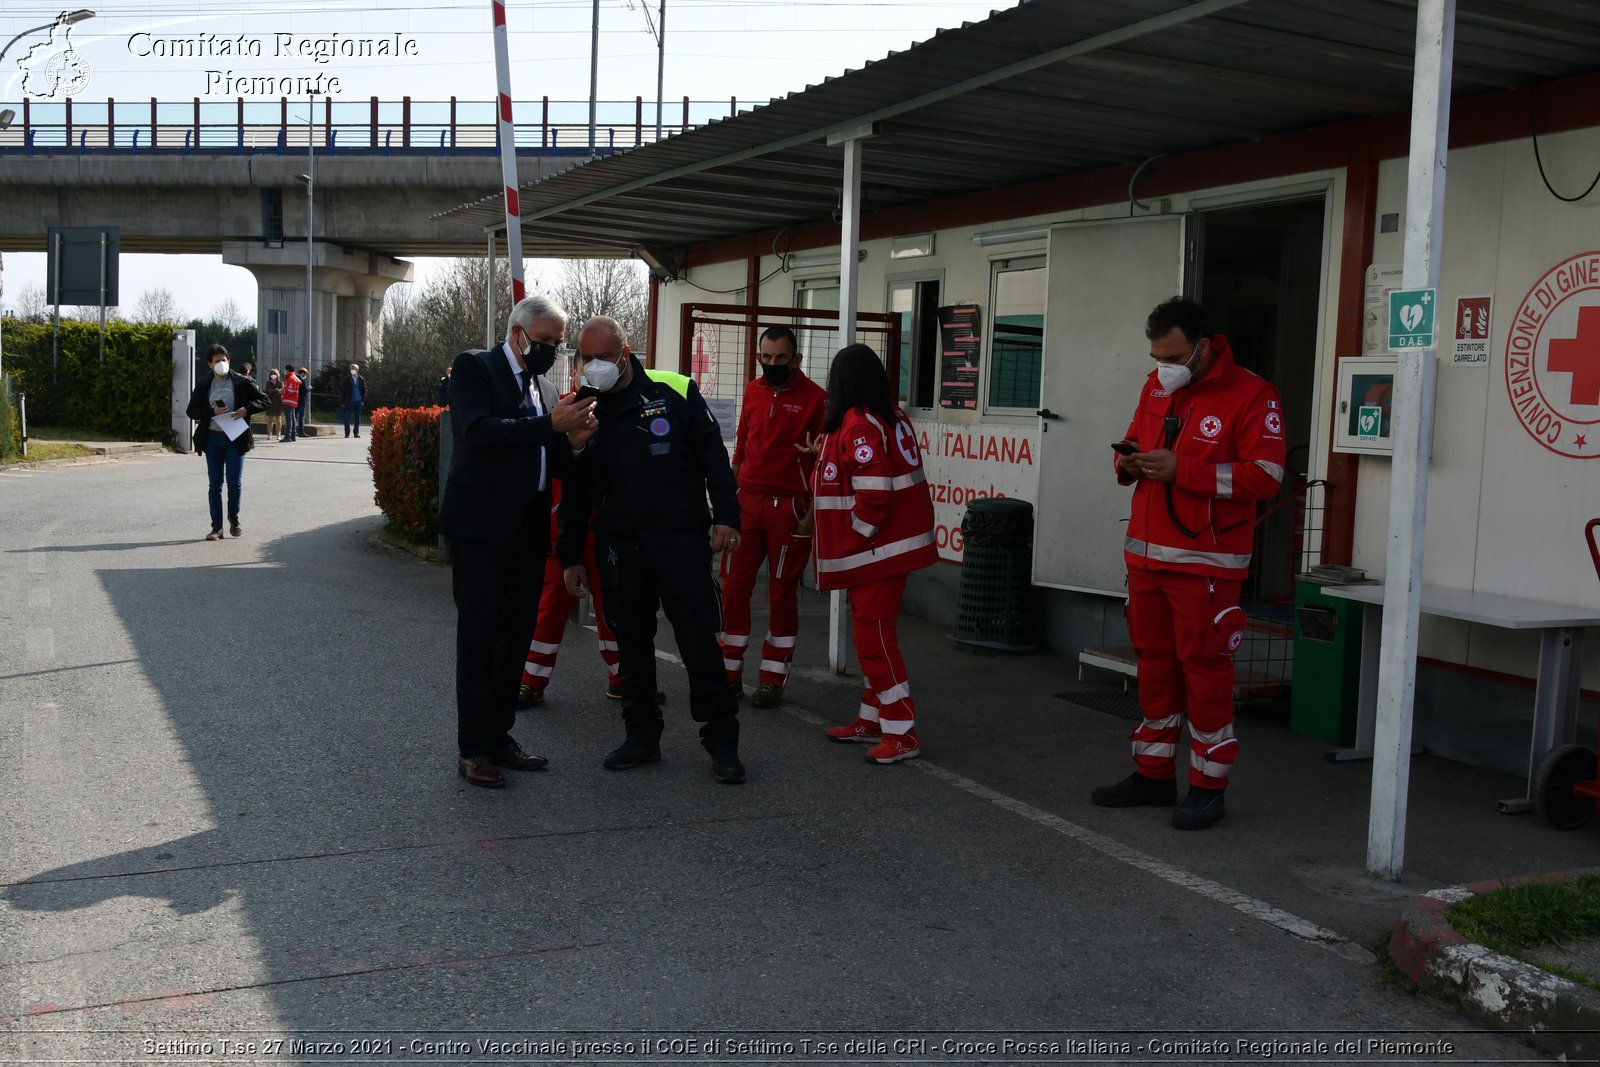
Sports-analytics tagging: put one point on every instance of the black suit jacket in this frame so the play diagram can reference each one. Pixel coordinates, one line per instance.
(496, 450)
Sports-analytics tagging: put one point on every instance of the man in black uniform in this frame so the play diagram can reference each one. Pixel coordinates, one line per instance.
(645, 476)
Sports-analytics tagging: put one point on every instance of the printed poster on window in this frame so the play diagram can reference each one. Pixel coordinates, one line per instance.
(960, 342)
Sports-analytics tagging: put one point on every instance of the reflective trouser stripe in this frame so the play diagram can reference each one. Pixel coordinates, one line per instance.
(541, 646)
(896, 726)
(732, 664)
(1211, 737)
(1207, 767)
(776, 666)
(1151, 748)
(1171, 722)
(899, 692)
(538, 670)
(608, 646)
(867, 712)
(1165, 554)
(736, 640)
(780, 642)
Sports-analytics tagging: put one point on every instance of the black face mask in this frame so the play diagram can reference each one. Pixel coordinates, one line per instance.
(776, 375)
(539, 357)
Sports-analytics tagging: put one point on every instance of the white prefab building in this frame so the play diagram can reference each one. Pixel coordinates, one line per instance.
(1035, 183)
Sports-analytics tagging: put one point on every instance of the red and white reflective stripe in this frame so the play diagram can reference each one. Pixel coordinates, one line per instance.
(538, 670)
(508, 152)
(867, 712)
(876, 555)
(899, 481)
(1224, 481)
(896, 726)
(1171, 722)
(780, 642)
(1213, 738)
(736, 640)
(1167, 750)
(543, 646)
(732, 664)
(775, 666)
(608, 646)
(1273, 469)
(1208, 768)
(894, 693)
(835, 503)
(862, 528)
(1236, 561)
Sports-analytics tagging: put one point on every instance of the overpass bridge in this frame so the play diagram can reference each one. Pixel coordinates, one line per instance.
(222, 177)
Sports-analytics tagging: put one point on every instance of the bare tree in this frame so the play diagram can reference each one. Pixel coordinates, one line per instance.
(228, 314)
(614, 287)
(31, 305)
(156, 305)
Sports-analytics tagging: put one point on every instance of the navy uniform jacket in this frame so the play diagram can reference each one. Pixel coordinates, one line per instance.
(648, 470)
(494, 463)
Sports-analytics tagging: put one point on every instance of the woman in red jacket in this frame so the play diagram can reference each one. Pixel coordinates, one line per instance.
(873, 527)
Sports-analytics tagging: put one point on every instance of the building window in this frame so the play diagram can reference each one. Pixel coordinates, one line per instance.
(819, 343)
(916, 301)
(1016, 333)
(277, 321)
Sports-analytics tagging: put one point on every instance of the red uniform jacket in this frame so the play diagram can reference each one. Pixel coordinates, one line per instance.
(771, 422)
(291, 391)
(874, 515)
(1230, 454)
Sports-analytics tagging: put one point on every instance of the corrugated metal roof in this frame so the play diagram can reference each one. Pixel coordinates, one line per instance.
(1045, 88)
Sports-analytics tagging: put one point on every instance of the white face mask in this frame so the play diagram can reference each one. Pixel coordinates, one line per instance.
(1174, 376)
(220, 368)
(601, 374)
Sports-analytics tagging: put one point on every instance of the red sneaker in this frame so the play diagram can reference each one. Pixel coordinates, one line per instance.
(894, 748)
(860, 730)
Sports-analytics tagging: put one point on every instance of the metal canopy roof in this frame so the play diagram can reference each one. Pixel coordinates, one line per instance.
(1048, 87)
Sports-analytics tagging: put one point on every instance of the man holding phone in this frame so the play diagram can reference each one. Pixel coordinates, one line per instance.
(1206, 442)
(217, 404)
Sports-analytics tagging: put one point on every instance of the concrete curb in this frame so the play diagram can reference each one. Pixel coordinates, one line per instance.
(1502, 993)
(399, 541)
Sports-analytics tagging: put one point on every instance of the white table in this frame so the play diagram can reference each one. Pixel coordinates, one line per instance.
(1555, 695)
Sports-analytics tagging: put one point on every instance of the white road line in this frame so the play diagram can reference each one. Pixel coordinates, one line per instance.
(1259, 910)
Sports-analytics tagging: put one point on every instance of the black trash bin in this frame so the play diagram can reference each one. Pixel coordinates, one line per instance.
(996, 608)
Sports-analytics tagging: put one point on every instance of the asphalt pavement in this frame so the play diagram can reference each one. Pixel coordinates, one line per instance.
(235, 833)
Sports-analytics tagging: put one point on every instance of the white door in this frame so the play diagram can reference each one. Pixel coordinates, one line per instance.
(1104, 279)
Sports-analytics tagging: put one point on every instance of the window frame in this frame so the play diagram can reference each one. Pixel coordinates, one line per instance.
(913, 279)
(1031, 260)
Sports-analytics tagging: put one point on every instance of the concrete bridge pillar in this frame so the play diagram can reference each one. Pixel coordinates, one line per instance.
(347, 290)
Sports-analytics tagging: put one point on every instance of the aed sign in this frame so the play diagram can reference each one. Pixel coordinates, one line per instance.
(1412, 322)
(1368, 421)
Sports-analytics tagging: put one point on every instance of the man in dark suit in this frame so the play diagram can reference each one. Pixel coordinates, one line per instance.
(509, 443)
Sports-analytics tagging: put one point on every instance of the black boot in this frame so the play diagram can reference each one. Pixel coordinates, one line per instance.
(1200, 809)
(1137, 790)
(726, 768)
(633, 751)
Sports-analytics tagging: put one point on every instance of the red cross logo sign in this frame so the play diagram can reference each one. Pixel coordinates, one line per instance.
(1552, 358)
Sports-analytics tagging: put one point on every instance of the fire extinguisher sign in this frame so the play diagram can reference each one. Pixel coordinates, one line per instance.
(1470, 331)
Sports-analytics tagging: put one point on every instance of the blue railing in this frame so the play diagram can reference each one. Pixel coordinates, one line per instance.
(238, 126)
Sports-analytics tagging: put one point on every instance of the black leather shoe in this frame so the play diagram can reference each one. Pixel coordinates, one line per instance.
(631, 753)
(1136, 791)
(726, 768)
(513, 758)
(480, 771)
(1200, 809)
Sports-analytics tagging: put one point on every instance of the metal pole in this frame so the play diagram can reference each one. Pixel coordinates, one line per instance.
(594, 71)
(55, 332)
(661, 61)
(102, 300)
(508, 164)
(22, 401)
(488, 322)
(849, 277)
(1413, 440)
(311, 216)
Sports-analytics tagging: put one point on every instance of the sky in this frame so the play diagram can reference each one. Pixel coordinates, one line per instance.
(753, 50)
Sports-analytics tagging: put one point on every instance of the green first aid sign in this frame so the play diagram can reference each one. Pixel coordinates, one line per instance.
(1412, 320)
(1368, 422)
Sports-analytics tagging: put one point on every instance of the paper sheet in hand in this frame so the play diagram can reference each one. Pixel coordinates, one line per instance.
(230, 424)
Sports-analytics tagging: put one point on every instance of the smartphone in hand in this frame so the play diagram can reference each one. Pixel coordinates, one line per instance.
(1124, 448)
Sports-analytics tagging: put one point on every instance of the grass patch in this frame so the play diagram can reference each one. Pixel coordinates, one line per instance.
(39, 451)
(1519, 920)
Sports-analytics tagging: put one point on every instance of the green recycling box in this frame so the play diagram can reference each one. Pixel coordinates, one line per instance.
(1327, 661)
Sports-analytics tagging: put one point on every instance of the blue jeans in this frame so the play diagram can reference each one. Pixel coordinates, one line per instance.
(223, 456)
(352, 412)
(289, 417)
(303, 410)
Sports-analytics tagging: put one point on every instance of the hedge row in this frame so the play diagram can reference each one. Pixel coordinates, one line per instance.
(405, 469)
(130, 397)
(10, 424)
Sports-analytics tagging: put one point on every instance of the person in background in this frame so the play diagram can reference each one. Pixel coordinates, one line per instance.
(248, 370)
(1205, 444)
(225, 392)
(352, 391)
(444, 388)
(304, 411)
(874, 526)
(274, 391)
(291, 402)
(782, 413)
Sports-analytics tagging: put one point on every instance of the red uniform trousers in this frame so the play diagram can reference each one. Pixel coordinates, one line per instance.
(875, 618)
(555, 607)
(766, 532)
(1185, 629)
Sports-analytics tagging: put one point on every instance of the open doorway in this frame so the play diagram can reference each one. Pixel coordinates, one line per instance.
(1258, 272)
